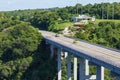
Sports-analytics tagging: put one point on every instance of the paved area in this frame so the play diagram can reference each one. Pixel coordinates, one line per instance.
(99, 53)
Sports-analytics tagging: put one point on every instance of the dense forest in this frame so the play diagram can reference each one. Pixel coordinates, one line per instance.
(106, 33)
(23, 54)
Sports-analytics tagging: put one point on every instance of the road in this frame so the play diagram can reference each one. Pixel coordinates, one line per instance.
(93, 51)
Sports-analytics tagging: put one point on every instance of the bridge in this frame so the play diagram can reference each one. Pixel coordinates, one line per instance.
(89, 55)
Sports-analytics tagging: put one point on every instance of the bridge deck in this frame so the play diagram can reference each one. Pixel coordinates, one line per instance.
(99, 55)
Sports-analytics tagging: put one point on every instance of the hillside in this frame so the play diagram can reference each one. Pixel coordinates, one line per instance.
(23, 53)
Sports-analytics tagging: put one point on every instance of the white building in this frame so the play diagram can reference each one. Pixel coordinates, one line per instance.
(82, 18)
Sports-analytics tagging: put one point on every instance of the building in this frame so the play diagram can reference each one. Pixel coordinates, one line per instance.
(82, 18)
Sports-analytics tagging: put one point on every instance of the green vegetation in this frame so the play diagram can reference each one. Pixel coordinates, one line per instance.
(23, 54)
(106, 33)
(48, 19)
(59, 26)
(104, 20)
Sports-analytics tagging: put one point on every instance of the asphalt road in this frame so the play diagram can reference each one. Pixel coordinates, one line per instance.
(100, 53)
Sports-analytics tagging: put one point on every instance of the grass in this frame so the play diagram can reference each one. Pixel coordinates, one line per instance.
(103, 20)
(61, 26)
(2, 34)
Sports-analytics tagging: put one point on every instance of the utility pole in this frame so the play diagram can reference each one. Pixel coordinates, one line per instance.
(77, 7)
(102, 11)
(113, 11)
(108, 10)
(81, 9)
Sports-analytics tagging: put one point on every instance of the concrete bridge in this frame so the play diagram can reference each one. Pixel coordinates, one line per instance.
(89, 55)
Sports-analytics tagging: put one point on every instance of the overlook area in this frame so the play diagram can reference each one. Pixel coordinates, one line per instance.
(24, 55)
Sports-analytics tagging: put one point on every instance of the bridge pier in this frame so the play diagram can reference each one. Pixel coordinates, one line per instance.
(69, 66)
(59, 63)
(81, 69)
(66, 54)
(100, 73)
(52, 51)
(84, 70)
(86, 67)
(75, 68)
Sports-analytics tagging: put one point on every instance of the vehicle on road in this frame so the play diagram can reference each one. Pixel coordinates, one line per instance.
(75, 41)
(57, 35)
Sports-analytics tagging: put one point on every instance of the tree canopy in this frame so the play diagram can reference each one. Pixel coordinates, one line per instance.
(23, 54)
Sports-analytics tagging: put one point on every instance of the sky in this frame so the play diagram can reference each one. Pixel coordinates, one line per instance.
(8, 5)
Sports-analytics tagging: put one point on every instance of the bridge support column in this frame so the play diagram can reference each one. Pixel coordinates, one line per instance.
(66, 55)
(87, 76)
(75, 68)
(81, 69)
(59, 64)
(86, 68)
(100, 73)
(52, 51)
(69, 66)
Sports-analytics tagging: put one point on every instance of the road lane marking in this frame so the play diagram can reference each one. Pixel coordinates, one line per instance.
(93, 49)
(111, 55)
